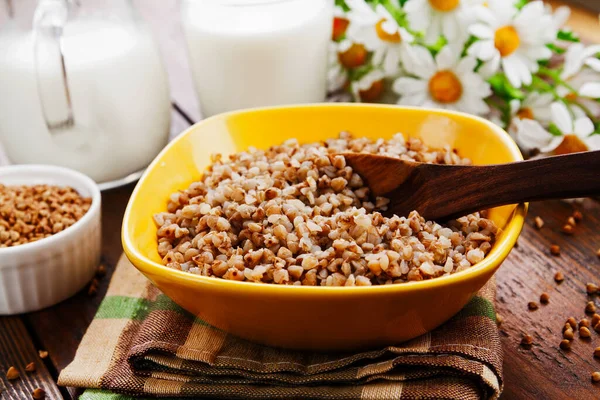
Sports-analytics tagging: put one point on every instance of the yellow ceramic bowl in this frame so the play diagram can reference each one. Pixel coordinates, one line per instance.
(316, 318)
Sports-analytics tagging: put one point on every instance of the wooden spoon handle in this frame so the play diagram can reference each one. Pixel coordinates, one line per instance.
(559, 177)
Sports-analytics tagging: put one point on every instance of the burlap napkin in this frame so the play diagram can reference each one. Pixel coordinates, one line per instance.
(142, 344)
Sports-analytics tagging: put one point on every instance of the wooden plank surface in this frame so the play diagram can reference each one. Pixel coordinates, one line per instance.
(545, 371)
(17, 350)
(539, 373)
(586, 5)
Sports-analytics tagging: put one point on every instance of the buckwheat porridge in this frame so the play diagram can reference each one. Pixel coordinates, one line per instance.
(297, 215)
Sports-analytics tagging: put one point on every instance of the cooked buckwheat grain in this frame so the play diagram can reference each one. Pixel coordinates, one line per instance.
(31, 213)
(298, 215)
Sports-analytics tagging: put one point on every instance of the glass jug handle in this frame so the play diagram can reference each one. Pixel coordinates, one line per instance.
(54, 93)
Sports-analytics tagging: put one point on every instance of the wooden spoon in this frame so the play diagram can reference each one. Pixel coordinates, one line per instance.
(445, 191)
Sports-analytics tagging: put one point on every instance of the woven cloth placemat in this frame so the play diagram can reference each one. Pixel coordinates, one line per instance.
(142, 344)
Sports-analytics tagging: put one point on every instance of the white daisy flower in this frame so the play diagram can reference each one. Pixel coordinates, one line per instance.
(535, 106)
(379, 32)
(514, 39)
(560, 16)
(369, 87)
(340, 23)
(582, 71)
(531, 135)
(578, 56)
(440, 17)
(577, 133)
(336, 74)
(587, 88)
(447, 82)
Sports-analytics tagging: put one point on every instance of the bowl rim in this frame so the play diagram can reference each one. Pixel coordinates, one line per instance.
(69, 233)
(489, 263)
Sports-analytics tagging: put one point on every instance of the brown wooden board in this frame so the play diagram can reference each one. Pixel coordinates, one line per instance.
(17, 350)
(545, 371)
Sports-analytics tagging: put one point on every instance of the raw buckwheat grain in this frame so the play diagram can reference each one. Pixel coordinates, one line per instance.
(584, 323)
(568, 334)
(526, 340)
(538, 222)
(298, 215)
(584, 332)
(590, 307)
(559, 277)
(12, 373)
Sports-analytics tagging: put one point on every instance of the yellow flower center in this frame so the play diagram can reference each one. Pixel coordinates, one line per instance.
(339, 27)
(373, 93)
(354, 57)
(571, 144)
(525, 113)
(444, 5)
(507, 40)
(387, 37)
(571, 96)
(445, 87)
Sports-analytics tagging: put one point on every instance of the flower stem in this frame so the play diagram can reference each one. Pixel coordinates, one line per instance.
(555, 76)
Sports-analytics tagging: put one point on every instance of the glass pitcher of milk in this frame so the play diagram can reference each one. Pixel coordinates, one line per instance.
(251, 53)
(82, 85)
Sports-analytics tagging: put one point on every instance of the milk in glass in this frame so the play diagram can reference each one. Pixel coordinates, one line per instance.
(250, 53)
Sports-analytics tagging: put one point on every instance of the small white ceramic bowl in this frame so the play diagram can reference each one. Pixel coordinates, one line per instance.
(40, 274)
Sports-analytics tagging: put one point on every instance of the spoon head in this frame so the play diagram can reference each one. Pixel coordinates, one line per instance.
(382, 174)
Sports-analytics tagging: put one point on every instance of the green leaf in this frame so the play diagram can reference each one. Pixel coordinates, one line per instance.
(396, 11)
(357, 73)
(567, 36)
(521, 3)
(553, 129)
(554, 48)
(437, 46)
(342, 4)
(502, 87)
(472, 39)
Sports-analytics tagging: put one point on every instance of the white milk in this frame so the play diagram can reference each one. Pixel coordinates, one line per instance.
(119, 94)
(250, 53)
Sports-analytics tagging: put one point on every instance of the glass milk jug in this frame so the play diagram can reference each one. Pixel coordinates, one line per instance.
(81, 86)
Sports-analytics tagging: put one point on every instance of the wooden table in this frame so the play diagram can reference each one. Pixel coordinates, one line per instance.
(544, 372)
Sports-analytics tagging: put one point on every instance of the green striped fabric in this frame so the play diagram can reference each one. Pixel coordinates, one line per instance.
(143, 345)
